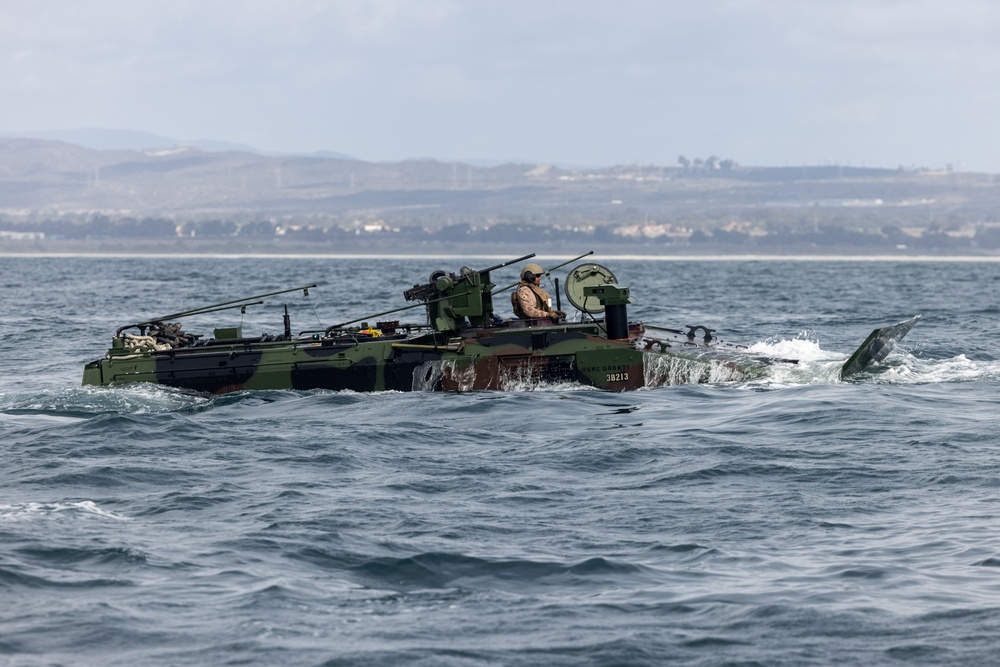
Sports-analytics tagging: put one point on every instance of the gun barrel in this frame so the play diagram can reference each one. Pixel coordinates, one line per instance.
(214, 307)
(568, 261)
(198, 311)
(547, 271)
(508, 263)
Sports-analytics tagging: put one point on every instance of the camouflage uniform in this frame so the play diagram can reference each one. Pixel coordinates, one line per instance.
(531, 301)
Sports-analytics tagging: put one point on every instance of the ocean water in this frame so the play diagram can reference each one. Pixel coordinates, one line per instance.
(792, 520)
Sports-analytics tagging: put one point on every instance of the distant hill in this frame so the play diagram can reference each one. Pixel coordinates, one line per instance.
(57, 177)
(101, 138)
(119, 140)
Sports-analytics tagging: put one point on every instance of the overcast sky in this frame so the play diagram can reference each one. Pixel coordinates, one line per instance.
(587, 82)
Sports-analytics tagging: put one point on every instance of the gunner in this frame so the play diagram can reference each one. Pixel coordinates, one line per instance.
(530, 301)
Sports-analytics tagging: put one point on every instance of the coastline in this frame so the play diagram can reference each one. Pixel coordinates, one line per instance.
(223, 249)
(598, 256)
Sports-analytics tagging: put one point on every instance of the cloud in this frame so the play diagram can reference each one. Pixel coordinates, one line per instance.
(598, 82)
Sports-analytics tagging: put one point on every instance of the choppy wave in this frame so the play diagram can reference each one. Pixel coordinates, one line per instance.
(816, 365)
(782, 519)
(60, 510)
(85, 402)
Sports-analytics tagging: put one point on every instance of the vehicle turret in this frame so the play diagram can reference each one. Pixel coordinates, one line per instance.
(455, 302)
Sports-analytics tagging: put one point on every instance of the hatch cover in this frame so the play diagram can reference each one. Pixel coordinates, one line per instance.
(587, 275)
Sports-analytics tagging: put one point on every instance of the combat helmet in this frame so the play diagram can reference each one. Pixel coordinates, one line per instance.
(533, 269)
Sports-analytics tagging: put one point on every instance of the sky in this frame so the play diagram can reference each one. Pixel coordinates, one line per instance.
(880, 83)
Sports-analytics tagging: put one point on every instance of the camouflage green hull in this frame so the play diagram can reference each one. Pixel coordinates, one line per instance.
(491, 358)
(480, 359)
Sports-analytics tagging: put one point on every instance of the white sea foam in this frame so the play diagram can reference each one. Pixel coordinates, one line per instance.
(81, 402)
(30, 510)
(798, 348)
(816, 365)
(955, 369)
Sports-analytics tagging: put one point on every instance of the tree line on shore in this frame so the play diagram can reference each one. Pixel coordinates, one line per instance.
(743, 236)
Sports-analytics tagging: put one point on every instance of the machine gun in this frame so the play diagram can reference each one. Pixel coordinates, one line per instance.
(451, 298)
(442, 281)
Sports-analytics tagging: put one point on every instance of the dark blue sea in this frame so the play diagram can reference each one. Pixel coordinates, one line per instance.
(791, 520)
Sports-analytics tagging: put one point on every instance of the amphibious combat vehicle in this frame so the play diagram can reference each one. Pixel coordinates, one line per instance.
(462, 345)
